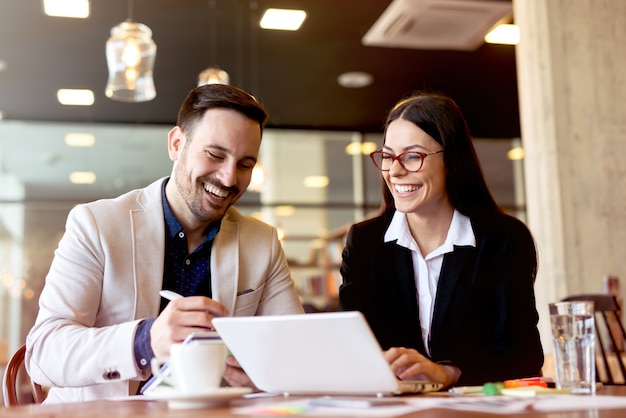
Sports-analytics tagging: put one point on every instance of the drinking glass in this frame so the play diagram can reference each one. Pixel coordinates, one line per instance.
(573, 334)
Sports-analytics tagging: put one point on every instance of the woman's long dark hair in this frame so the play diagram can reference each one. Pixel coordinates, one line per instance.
(440, 117)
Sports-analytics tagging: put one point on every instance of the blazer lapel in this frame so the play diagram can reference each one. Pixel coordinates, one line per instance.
(224, 263)
(404, 277)
(451, 269)
(148, 235)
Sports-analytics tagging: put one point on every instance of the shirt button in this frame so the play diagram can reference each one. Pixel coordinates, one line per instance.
(187, 261)
(181, 235)
(143, 362)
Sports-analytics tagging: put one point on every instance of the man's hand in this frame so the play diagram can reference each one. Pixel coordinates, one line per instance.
(180, 318)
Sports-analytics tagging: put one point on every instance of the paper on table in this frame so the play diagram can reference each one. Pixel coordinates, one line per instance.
(304, 407)
(489, 404)
(544, 403)
(575, 402)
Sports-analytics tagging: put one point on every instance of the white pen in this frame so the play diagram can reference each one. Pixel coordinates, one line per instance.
(169, 295)
(465, 390)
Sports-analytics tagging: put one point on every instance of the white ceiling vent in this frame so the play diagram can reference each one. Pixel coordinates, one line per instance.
(437, 24)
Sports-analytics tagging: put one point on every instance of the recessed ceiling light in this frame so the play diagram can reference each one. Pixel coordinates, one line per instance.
(66, 8)
(316, 182)
(83, 177)
(284, 210)
(75, 97)
(358, 148)
(503, 34)
(282, 19)
(78, 139)
(355, 79)
(516, 154)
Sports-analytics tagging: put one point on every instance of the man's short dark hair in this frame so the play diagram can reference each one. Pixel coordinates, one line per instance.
(211, 96)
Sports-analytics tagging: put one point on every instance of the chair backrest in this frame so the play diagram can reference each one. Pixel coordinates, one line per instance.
(11, 379)
(610, 337)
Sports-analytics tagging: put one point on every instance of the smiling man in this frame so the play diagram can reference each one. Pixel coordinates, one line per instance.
(101, 319)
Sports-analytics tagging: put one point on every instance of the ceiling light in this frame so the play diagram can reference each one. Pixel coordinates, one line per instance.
(316, 182)
(284, 210)
(75, 139)
(257, 179)
(130, 53)
(66, 8)
(83, 177)
(503, 34)
(282, 19)
(213, 75)
(516, 153)
(355, 79)
(368, 147)
(75, 97)
(3, 65)
(358, 148)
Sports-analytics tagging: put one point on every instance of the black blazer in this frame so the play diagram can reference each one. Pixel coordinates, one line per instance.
(484, 319)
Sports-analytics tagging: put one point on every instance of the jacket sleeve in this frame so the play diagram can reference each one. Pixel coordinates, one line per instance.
(498, 339)
(354, 293)
(74, 342)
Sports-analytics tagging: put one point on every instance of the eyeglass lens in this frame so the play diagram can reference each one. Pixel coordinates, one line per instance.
(411, 161)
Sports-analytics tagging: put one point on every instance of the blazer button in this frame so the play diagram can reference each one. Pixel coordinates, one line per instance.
(111, 375)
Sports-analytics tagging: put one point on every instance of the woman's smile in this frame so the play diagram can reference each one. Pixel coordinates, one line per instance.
(405, 188)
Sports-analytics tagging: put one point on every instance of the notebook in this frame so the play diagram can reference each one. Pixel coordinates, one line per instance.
(332, 353)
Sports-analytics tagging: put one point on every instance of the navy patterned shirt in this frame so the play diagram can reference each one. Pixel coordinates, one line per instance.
(183, 273)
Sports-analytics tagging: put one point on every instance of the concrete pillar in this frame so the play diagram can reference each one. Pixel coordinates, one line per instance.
(571, 63)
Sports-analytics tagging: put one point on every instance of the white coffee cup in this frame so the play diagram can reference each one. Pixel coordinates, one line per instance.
(194, 367)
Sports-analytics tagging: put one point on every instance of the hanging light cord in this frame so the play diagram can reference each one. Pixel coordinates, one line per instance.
(212, 33)
(130, 10)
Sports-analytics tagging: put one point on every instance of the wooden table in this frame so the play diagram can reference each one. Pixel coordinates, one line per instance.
(156, 409)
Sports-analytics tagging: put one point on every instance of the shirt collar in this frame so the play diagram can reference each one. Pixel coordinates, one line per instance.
(173, 227)
(460, 233)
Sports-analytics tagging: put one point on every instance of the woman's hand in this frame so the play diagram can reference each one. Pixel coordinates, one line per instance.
(409, 364)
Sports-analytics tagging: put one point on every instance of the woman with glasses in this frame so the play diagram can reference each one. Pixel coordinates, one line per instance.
(443, 276)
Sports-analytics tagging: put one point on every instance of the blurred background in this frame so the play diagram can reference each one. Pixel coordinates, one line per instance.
(327, 87)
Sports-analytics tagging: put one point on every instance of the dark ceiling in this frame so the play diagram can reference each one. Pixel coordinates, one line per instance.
(293, 73)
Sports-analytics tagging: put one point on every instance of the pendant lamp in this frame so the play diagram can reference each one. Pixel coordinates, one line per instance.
(130, 53)
(213, 75)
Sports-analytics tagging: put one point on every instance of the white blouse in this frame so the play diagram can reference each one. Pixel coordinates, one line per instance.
(427, 269)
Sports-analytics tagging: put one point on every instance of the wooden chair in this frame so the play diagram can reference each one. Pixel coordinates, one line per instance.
(610, 337)
(11, 379)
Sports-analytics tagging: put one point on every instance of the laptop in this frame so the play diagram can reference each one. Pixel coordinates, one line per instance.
(333, 353)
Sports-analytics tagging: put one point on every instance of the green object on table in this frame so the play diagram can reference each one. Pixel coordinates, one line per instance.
(492, 388)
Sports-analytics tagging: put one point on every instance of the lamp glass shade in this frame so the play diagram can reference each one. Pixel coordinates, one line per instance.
(213, 75)
(130, 53)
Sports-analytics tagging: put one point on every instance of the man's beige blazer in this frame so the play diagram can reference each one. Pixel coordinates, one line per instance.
(106, 276)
